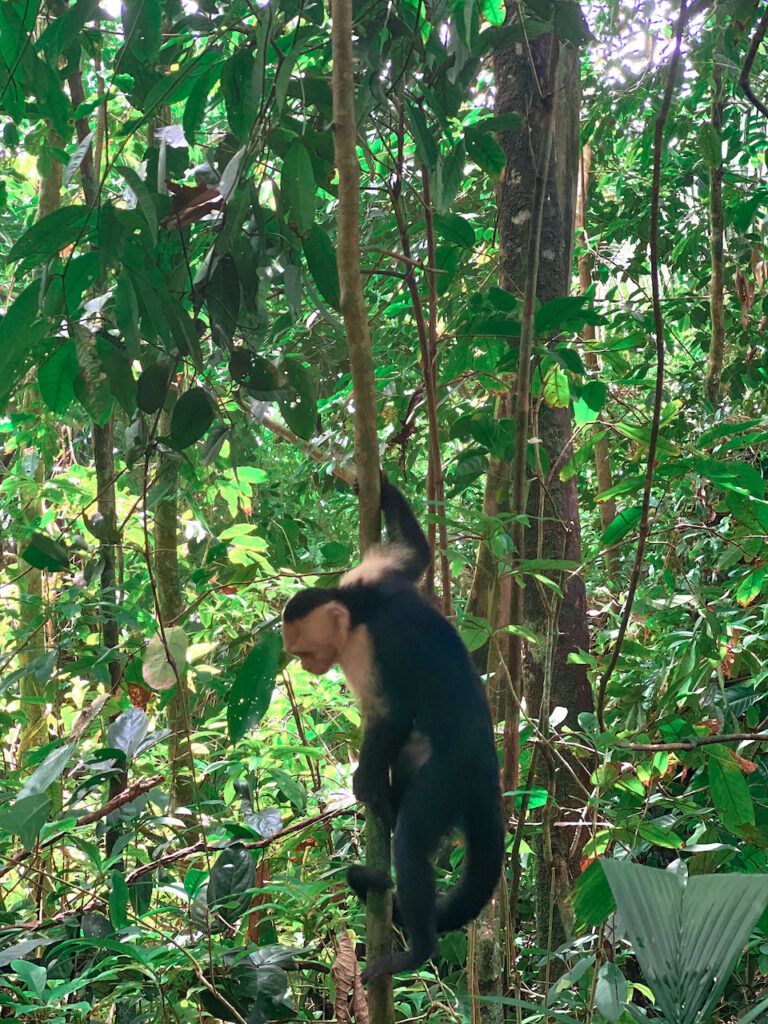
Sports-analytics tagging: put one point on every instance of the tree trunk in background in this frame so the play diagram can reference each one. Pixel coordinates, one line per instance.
(716, 247)
(171, 601)
(556, 533)
(31, 603)
(602, 453)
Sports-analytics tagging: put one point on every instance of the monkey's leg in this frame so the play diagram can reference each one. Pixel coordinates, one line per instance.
(426, 815)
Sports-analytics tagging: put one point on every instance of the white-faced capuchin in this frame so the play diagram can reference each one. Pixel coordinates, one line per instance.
(428, 755)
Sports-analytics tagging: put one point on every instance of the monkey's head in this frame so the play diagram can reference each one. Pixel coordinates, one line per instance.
(315, 629)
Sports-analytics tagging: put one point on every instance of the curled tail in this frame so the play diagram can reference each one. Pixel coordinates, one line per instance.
(483, 861)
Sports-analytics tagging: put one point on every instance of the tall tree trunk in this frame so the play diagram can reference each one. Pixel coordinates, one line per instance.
(171, 604)
(716, 246)
(552, 504)
(602, 453)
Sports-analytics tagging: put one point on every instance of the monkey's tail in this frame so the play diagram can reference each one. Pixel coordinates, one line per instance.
(483, 861)
(362, 880)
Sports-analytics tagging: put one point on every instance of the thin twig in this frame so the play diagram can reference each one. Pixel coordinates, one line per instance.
(744, 82)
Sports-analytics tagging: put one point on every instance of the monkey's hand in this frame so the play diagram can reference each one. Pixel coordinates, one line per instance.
(374, 793)
(384, 483)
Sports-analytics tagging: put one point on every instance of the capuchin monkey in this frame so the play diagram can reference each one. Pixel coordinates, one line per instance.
(428, 757)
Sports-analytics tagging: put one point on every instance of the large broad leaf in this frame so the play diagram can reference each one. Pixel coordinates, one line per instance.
(128, 730)
(25, 817)
(20, 330)
(299, 408)
(252, 689)
(158, 672)
(192, 416)
(233, 876)
(46, 773)
(45, 553)
(687, 933)
(730, 792)
(143, 198)
(621, 525)
(50, 235)
(321, 259)
(590, 403)
(297, 187)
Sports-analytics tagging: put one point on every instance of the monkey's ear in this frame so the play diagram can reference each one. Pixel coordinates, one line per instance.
(339, 614)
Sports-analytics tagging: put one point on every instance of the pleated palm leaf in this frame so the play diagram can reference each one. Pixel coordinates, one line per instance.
(687, 933)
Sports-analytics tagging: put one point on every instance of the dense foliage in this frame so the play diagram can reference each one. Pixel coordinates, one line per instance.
(176, 422)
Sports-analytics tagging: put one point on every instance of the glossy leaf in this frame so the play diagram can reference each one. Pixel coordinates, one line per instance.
(192, 417)
(251, 691)
(297, 186)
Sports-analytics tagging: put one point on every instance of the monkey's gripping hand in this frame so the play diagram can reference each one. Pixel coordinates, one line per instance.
(373, 790)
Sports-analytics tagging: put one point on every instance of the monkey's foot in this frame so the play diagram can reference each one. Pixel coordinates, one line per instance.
(388, 965)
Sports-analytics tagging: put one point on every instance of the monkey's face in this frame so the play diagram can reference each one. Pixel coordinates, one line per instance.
(318, 639)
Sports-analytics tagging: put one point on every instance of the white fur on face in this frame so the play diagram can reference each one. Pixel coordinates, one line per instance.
(378, 563)
(318, 639)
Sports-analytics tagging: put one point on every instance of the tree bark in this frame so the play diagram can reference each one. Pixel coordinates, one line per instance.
(553, 504)
(378, 855)
(171, 604)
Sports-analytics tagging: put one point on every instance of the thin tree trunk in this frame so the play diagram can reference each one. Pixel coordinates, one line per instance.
(379, 907)
(32, 612)
(171, 605)
(602, 453)
(716, 244)
(104, 461)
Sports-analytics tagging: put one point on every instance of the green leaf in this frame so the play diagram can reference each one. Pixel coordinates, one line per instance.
(44, 553)
(739, 477)
(485, 151)
(194, 110)
(230, 886)
(593, 901)
(152, 388)
(611, 991)
(142, 29)
(34, 976)
(621, 525)
(63, 30)
(118, 900)
(321, 259)
(297, 187)
(590, 403)
(157, 671)
(750, 587)
(20, 330)
(556, 392)
(252, 689)
(730, 792)
(56, 378)
(48, 772)
(239, 89)
(25, 817)
(50, 235)
(509, 122)
(426, 147)
(119, 373)
(127, 313)
(569, 312)
(143, 198)
(454, 229)
(299, 409)
(687, 933)
(192, 417)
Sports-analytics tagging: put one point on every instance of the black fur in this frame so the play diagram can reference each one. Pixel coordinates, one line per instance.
(429, 684)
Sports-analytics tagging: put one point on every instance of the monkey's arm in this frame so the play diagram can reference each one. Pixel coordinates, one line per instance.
(403, 528)
(383, 740)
